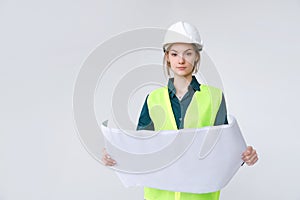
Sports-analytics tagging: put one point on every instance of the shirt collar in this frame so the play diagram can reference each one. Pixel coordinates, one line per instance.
(195, 85)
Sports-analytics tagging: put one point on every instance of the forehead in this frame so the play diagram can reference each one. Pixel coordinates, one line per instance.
(181, 46)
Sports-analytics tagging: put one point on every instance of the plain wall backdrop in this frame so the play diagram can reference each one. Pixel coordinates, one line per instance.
(254, 44)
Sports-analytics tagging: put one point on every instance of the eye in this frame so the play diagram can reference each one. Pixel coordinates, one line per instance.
(189, 53)
(173, 54)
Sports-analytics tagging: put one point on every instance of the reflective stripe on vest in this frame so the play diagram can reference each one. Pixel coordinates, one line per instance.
(201, 112)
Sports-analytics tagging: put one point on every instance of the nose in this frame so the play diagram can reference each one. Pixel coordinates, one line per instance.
(181, 59)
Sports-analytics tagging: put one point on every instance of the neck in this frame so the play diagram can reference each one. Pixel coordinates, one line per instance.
(181, 83)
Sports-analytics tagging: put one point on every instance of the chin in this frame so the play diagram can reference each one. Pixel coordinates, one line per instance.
(184, 74)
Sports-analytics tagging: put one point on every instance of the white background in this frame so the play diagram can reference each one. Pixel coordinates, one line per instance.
(254, 44)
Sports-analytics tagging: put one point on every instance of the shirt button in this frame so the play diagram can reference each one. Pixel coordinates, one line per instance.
(180, 119)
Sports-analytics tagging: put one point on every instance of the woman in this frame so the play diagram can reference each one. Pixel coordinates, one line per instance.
(182, 46)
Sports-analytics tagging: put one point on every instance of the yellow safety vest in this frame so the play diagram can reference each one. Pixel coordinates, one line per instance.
(201, 112)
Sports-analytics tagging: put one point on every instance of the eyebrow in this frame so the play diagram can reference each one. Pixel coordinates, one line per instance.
(177, 51)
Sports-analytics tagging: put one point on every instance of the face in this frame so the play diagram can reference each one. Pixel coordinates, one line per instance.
(182, 58)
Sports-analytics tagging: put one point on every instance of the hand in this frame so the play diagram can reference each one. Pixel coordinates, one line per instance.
(250, 156)
(106, 159)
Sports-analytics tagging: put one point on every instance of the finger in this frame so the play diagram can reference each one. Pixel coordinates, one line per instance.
(108, 162)
(249, 148)
(252, 160)
(250, 157)
(108, 158)
(105, 154)
(111, 160)
(255, 161)
(246, 156)
(248, 151)
(253, 154)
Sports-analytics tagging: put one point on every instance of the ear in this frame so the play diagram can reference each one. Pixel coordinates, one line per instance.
(167, 57)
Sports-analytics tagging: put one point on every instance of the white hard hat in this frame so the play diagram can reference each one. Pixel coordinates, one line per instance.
(182, 32)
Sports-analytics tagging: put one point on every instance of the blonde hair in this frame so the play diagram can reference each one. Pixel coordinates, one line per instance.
(166, 64)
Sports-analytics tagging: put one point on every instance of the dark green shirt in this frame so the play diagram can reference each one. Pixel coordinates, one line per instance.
(179, 107)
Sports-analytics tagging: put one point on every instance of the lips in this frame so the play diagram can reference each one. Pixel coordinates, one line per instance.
(181, 68)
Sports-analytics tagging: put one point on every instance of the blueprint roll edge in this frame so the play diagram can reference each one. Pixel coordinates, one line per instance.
(187, 160)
